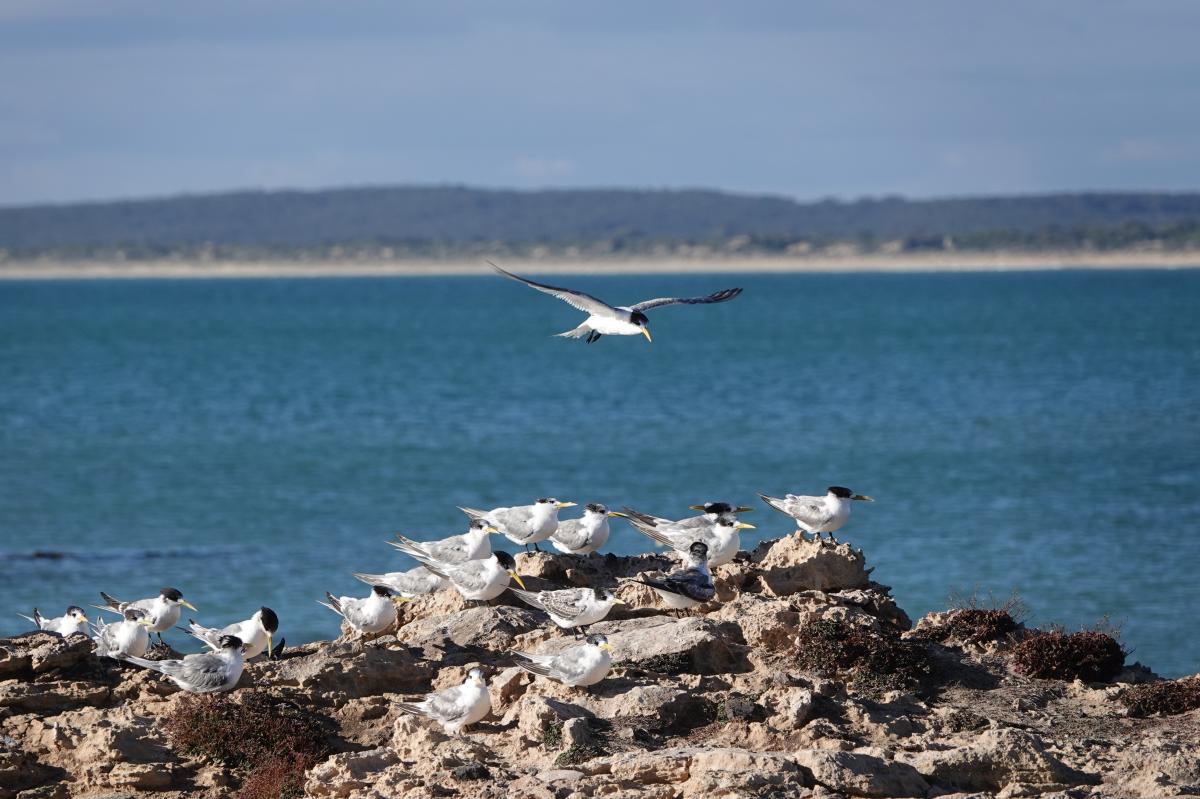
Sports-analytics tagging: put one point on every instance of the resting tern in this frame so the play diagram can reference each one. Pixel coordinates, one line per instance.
(122, 639)
(523, 524)
(161, 612)
(818, 514)
(374, 614)
(73, 621)
(722, 538)
(708, 517)
(604, 319)
(471, 545)
(257, 633)
(457, 707)
(409, 584)
(579, 666)
(586, 535)
(689, 586)
(478, 580)
(204, 673)
(571, 607)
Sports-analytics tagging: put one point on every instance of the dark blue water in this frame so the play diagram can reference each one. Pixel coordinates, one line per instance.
(253, 442)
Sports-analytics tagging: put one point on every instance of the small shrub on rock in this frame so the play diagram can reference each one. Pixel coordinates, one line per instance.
(1165, 698)
(873, 661)
(1090, 655)
(272, 742)
(973, 626)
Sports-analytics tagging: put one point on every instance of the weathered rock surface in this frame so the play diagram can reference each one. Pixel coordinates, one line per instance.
(712, 703)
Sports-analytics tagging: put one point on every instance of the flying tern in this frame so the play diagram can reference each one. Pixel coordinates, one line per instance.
(607, 320)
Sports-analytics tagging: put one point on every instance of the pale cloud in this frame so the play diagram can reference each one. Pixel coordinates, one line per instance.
(543, 169)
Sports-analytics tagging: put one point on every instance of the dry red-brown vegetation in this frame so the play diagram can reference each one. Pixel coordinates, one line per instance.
(1164, 698)
(1089, 655)
(870, 660)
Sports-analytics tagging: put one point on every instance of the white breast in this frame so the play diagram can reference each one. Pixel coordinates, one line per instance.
(612, 327)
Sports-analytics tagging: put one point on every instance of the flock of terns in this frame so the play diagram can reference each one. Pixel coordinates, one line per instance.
(466, 563)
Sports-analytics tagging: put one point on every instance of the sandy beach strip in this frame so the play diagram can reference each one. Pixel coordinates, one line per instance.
(875, 262)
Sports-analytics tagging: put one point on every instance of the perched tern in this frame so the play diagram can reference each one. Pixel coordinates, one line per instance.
(606, 320)
(457, 707)
(204, 673)
(73, 621)
(722, 538)
(125, 638)
(478, 580)
(374, 614)
(578, 666)
(524, 524)
(257, 633)
(160, 612)
(689, 586)
(409, 584)
(818, 514)
(585, 535)
(571, 607)
(471, 545)
(710, 511)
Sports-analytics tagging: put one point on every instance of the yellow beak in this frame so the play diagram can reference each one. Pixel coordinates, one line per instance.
(646, 333)
(517, 577)
(187, 604)
(618, 601)
(606, 645)
(400, 600)
(743, 526)
(490, 529)
(270, 646)
(862, 497)
(562, 505)
(617, 514)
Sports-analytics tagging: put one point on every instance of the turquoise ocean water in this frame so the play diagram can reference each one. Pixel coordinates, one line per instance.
(254, 441)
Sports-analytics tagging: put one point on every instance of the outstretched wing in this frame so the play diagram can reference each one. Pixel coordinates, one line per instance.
(720, 296)
(576, 299)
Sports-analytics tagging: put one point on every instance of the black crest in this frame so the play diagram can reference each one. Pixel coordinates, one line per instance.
(173, 594)
(231, 642)
(382, 590)
(597, 639)
(595, 507)
(638, 318)
(718, 507)
(841, 492)
(75, 608)
(699, 549)
(547, 501)
(506, 560)
(270, 621)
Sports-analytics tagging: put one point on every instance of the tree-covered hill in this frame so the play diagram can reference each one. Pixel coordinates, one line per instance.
(448, 220)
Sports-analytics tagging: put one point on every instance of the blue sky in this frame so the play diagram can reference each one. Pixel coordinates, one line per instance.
(806, 99)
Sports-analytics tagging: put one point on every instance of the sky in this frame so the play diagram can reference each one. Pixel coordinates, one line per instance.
(133, 98)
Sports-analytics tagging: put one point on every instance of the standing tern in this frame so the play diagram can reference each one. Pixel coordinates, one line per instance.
(204, 673)
(256, 633)
(818, 514)
(457, 707)
(689, 586)
(722, 538)
(374, 614)
(571, 607)
(162, 611)
(579, 666)
(471, 545)
(707, 518)
(478, 580)
(604, 319)
(412, 583)
(523, 524)
(73, 621)
(122, 639)
(585, 535)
